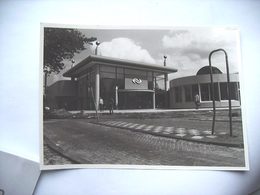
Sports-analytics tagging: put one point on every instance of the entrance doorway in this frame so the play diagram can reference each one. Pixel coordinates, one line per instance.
(135, 100)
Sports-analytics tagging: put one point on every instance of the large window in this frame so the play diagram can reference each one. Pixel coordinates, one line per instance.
(195, 90)
(233, 91)
(204, 90)
(178, 95)
(86, 85)
(188, 93)
(107, 83)
(120, 78)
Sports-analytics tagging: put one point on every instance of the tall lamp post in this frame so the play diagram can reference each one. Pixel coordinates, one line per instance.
(46, 71)
(96, 50)
(228, 91)
(165, 84)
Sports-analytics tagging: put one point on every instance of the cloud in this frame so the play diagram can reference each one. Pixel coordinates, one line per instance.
(125, 48)
(188, 50)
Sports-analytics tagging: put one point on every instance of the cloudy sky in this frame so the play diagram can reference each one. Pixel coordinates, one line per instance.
(187, 49)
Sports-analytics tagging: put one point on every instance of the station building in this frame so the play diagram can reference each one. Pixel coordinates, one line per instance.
(183, 90)
(132, 85)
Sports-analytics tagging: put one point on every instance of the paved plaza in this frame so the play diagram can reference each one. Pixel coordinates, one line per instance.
(114, 142)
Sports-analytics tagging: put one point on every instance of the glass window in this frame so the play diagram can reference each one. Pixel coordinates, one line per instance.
(204, 90)
(216, 92)
(194, 90)
(233, 91)
(223, 91)
(188, 93)
(178, 96)
(120, 83)
(159, 84)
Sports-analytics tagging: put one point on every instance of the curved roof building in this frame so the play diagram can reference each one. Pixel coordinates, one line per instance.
(183, 90)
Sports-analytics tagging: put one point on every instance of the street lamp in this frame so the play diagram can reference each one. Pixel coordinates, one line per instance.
(165, 84)
(46, 71)
(96, 50)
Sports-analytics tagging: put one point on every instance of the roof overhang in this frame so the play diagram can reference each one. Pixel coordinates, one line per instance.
(93, 60)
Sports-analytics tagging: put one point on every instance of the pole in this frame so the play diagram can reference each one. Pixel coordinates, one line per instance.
(165, 83)
(95, 103)
(228, 91)
(213, 95)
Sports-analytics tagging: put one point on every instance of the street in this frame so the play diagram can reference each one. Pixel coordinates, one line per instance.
(88, 143)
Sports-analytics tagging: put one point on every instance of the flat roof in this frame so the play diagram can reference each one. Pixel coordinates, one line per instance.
(92, 60)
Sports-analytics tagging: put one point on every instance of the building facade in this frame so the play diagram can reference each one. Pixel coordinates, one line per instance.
(131, 85)
(183, 90)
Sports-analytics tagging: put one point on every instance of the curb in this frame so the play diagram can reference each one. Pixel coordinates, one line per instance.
(74, 158)
(175, 137)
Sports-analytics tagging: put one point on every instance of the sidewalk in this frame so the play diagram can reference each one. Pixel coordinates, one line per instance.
(189, 134)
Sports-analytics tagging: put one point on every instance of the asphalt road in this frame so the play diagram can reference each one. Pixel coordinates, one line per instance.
(89, 143)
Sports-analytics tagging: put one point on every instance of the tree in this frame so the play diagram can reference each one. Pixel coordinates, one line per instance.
(61, 44)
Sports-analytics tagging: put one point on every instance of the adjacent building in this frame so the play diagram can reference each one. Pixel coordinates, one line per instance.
(183, 90)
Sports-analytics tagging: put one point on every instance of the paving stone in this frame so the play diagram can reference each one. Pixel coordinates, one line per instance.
(106, 145)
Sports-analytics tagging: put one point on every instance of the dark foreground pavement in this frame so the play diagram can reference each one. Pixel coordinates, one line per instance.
(87, 143)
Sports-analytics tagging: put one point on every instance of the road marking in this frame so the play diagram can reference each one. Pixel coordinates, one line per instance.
(193, 132)
(166, 132)
(134, 125)
(207, 132)
(211, 136)
(140, 126)
(158, 129)
(122, 123)
(180, 134)
(180, 130)
(169, 129)
(148, 128)
(127, 124)
(223, 133)
(196, 137)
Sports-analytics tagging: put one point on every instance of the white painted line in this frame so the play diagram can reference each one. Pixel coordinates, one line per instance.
(127, 124)
(223, 133)
(180, 135)
(169, 129)
(122, 123)
(194, 132)
(180, 130)
(134, 125)
(148, 128)
(197, 137)
(166, 132)
(158, 129)
(206, 132)
(140, 126)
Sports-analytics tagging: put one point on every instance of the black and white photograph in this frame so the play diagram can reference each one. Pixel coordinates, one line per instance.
(141, 97)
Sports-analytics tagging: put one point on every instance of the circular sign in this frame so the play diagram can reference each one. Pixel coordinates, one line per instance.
(137, 81)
